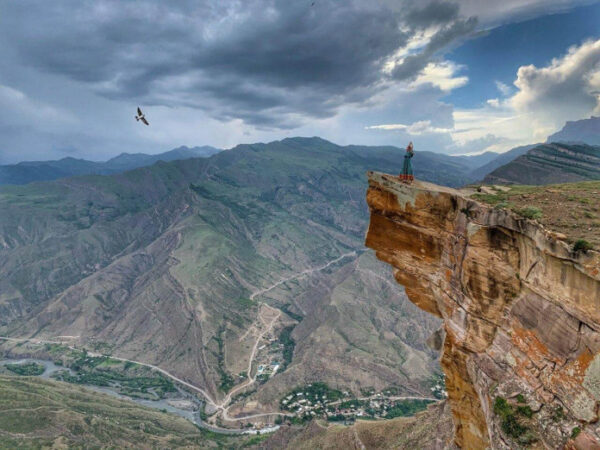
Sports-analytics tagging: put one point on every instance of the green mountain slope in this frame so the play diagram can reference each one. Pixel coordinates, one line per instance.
(550, 163)
(36, 413)
(165, 264)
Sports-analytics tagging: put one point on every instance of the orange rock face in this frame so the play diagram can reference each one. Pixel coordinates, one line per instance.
(521, 312)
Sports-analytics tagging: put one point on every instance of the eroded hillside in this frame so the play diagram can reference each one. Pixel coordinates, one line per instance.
(520, 310)
(38, 413)
(180, 265)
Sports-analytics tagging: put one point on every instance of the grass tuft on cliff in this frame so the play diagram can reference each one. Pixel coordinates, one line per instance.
(511, 420)
(581, 245)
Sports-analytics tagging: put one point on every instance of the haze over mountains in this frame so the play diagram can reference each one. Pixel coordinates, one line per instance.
(169, 264)
(30, 171)
(585, 131)
(472, 168)
(466, 168)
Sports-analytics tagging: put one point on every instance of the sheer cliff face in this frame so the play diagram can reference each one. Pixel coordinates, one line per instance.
(521, 313)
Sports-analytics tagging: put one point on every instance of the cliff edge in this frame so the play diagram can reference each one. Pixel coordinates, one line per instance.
(521, 313)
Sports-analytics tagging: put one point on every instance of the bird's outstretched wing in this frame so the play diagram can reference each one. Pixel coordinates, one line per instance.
(145, 121)
(139, 111)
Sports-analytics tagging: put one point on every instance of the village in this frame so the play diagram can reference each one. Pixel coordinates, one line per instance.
(317, 400)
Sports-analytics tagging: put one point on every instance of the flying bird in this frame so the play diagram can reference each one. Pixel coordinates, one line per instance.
(141, 116)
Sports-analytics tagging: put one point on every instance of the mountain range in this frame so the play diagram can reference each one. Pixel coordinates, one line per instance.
(30, 171)
(190, 264)
(470, 168)
(177, 264)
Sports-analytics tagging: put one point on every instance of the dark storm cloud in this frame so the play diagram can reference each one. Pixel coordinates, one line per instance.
(436, 12)
(268, 62)
(414, 63)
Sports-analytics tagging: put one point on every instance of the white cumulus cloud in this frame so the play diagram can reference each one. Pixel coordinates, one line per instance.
(441, 75)
(504, 89)
(416, 128)
(566, 89)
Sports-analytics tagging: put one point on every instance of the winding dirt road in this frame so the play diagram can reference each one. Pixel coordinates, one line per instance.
(224, 405)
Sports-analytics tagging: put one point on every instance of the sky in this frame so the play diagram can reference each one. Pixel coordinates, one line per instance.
(454, 77)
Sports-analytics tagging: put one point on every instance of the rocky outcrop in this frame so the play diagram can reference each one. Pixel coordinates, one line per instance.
(521, 313)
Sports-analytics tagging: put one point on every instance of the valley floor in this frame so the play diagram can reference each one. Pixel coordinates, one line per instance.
(260, 364)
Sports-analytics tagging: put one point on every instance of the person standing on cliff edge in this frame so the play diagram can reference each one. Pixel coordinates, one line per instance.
(407, 172)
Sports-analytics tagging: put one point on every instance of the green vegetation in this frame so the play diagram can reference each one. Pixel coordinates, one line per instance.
(133, 386)
(530, 212)
(525, 411)
(293, 315)
(245, 303)
(285, 339)
(467, 212)
(315, 392)
(227, 380)
(558, 414)
(407, 408)
(520, 398)
(503, 205)
(336, 418)
(127, 378)
(256, 440)
(490, 199)
(399, 408)
(581, 245)
(575, 432)
(26, 369)
(242, 395)
(501, 407)
(510, 423)
(262, 378)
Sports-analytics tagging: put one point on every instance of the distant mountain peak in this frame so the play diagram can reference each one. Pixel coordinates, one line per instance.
(30, 171)
(308, 140)
(585, 131)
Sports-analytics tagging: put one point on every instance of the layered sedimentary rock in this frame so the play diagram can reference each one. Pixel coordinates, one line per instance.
(550, 163)
(521, 313)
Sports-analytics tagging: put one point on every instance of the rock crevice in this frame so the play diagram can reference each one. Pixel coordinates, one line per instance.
(521, 313)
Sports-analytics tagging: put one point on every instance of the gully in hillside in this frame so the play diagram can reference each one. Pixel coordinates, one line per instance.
(407, 172)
